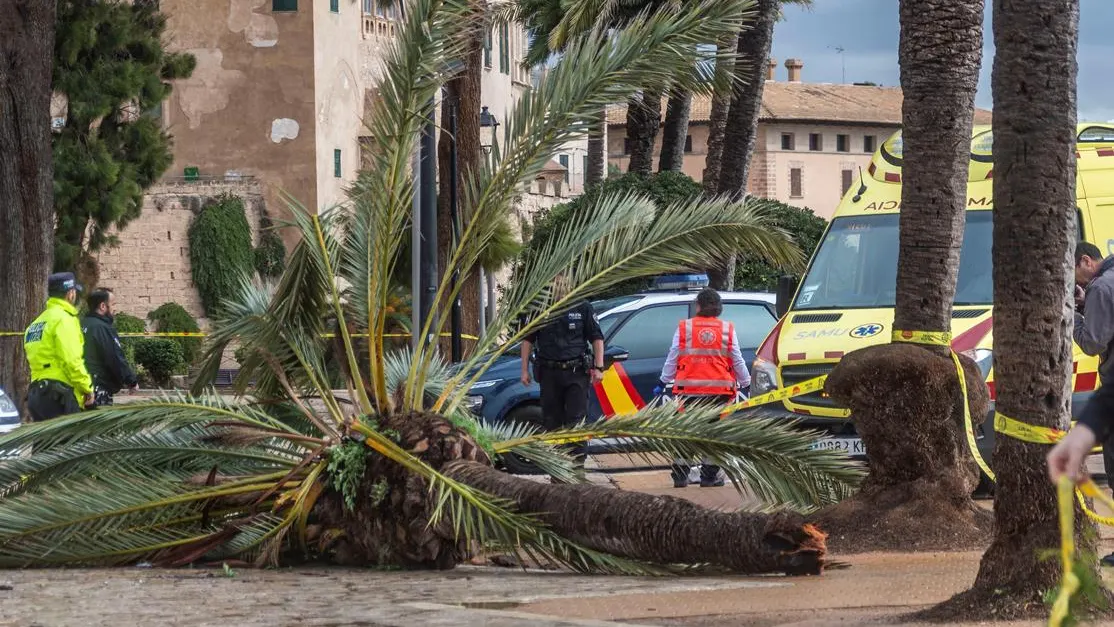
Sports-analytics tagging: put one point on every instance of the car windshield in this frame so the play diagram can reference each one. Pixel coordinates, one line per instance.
(856, 266)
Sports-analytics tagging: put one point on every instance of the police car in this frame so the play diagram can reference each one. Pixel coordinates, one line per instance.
(638, 330)
(9, 413)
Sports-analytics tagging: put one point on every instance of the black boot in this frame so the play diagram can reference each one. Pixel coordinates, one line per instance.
(710, 476)
(680, 476)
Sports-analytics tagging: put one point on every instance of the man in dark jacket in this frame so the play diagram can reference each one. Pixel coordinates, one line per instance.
(1094, 333)
(104, 357)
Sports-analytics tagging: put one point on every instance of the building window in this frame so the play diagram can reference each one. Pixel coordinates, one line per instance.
(848, 177)
(584, 171)
(795, 182)
(487, 49)
(843, 143)
(334, 6)
(688, 143)
(282, 6)
(336, 163)
(788, 141)
(626, 145)
(815, 141)
(368, 8)
(504, 49)
(564, 159)
(868, 143)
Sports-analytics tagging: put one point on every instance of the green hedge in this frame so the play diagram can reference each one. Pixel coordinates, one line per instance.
(221, 255)
(160, 357)
(173, 318)
(270, 255)
(126, 323)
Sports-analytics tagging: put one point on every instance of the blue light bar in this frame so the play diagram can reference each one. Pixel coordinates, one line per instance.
(671, 282)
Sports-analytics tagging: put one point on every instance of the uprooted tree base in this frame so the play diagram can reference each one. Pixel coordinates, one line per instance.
(390, 525)
(905, 400)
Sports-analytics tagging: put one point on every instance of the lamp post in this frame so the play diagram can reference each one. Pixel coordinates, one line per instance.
(456, 349)
(489, 124)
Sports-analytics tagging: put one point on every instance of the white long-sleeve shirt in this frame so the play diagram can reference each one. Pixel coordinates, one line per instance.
(739, 366)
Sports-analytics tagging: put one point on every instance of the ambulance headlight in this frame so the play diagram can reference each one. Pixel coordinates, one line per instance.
(983, 358)
(763, 378)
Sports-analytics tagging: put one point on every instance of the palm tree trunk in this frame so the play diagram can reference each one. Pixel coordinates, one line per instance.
(1034, 205)
(643, 121)
(658, 529)
(675, 131)
(741, 131)
(26, 176)
(717, 125)
(919, 460)
(597, 149)
(464, 93)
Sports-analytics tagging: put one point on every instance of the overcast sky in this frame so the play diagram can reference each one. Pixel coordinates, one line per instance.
(867, 30)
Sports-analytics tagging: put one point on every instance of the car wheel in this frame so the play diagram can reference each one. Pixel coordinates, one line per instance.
(514, 464)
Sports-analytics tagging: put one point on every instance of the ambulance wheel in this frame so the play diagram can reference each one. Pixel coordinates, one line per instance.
(530, 414)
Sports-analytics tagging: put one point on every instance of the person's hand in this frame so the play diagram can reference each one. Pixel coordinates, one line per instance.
(658, 389)
(597, 375)
(1080, 296)
(526, 378)
(87, 401)
(1067, 457)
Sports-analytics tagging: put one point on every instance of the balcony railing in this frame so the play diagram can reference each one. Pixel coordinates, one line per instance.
(377, 27)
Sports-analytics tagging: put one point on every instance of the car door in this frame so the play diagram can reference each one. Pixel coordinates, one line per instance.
(753, 321)
(646, 335)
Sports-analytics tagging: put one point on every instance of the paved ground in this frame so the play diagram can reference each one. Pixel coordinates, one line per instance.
(876, 590)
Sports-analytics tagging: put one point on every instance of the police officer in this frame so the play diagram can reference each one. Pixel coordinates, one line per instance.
(104, 357)
(55, 349)
(561, 367)
(705, 363)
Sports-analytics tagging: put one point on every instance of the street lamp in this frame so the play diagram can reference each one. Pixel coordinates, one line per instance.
(488, 125)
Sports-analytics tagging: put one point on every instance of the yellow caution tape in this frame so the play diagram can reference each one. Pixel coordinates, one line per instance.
(926, 338)
(1026, 432)
(1070, 582)
(805, 387)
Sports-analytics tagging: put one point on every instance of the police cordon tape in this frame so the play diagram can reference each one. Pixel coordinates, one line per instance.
(324, 335)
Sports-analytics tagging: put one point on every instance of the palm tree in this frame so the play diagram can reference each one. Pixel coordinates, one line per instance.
(392, 470)
(675, 130)
(26, 171)
(1034, 83)
(911, 429)
(717, 121)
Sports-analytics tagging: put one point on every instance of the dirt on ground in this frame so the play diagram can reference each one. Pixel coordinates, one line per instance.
(877, 589)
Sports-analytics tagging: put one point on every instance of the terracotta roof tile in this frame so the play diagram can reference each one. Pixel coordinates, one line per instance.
(814, 102)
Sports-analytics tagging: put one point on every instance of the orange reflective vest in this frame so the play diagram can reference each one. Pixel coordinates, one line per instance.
(704, 365)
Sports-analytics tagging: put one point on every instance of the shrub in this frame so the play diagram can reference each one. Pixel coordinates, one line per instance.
(221, 255)
(270, 255)
(126, 323)
(804, 227)
(173, 318)
(160, 357)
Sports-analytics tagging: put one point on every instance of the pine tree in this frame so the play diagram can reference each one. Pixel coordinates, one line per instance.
(111, 65)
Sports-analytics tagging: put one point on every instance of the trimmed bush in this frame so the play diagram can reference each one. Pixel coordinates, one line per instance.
(173, 318)
(270, 255)
(126, 323)
(160, 357)
(221, 255)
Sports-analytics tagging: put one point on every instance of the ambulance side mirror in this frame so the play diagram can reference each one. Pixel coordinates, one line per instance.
(786, 288)
(614, 354)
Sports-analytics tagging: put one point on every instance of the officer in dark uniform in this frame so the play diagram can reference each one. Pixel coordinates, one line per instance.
(562, 365)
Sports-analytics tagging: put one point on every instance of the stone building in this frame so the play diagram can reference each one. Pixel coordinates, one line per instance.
(812, 137)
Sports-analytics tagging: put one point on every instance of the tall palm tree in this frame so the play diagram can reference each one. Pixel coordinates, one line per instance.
(393, 469)
(26, 171)
(675, 130)
(717, 120)
(940, 54)
(1034, 84)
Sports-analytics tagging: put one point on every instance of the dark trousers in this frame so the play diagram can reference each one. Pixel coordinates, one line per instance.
(564, 399)
(1099, 411)
(708, 472)
(48, 399)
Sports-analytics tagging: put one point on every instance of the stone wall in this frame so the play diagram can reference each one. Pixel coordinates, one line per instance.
(151, 266)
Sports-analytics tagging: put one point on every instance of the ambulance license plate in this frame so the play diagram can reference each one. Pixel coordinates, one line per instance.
(852, 446)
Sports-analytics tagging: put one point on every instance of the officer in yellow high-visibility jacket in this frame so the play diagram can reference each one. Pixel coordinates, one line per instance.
(55, 349)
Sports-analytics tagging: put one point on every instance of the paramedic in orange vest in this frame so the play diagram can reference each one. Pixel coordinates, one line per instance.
(705, 361)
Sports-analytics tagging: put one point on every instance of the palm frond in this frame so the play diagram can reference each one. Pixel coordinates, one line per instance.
(547, 457)
(772, 457)
(598, 69)
(621, 237)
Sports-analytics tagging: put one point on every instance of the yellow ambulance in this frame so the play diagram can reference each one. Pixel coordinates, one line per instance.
(845, 301)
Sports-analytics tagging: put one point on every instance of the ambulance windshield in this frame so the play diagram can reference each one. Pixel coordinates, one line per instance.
(856, 266)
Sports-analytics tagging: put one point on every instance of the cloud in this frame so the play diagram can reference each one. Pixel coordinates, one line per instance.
(867, 30)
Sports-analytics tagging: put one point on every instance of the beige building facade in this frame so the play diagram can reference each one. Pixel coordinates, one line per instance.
(813, 138)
